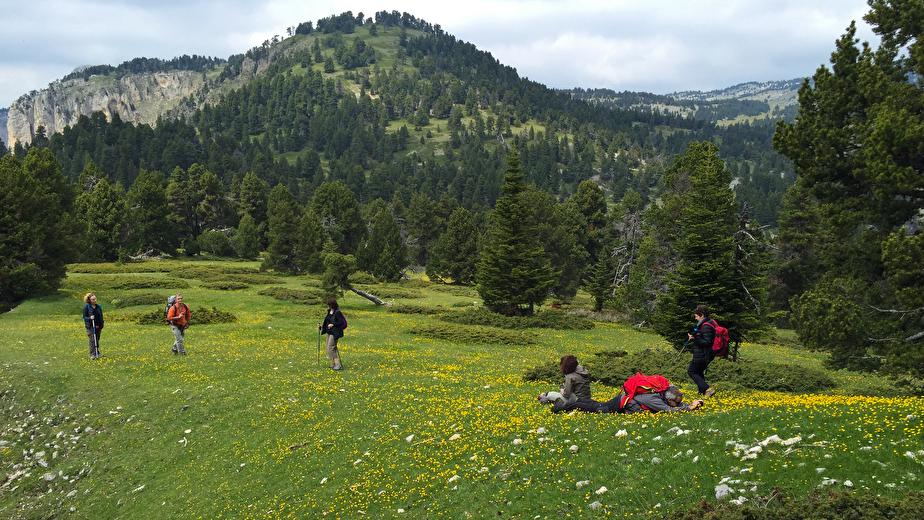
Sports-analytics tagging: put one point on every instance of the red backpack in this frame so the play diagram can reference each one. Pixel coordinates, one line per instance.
(642, 384)
(720, 344)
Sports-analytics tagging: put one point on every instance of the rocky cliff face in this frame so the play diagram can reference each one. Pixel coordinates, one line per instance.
(3, 136)
(139, 98)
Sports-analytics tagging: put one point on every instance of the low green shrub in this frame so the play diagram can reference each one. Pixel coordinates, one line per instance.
(415, 309)
(415, 283)
(211, 272)
(819, 504)
(306, 296)
(133, 267)
(551, 319)
(132, 300)
(456, 290)
(250, 279)
(313, 282)
(613, 368)
(102, 282)
(226, 286)
(362, 277)
(462, 334)
(200, 316)
(390, 292)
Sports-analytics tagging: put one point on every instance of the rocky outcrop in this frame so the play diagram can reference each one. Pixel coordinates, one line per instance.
(139, 98)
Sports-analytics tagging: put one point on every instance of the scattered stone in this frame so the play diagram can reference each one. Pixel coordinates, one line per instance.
(596, 505)
(722, 491)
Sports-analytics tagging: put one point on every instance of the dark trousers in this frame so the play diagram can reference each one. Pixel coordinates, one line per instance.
(93, 336)
(697, 372)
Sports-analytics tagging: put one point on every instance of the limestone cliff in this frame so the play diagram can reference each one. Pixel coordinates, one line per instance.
(139, 98)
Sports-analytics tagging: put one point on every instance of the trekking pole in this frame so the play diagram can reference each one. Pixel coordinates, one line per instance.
(93, 333)
(319, 345)
(681, 352)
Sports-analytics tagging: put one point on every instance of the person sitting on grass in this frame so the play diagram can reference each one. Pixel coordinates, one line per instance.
(576, 386)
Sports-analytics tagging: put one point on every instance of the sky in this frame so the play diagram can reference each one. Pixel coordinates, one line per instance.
(659, 46)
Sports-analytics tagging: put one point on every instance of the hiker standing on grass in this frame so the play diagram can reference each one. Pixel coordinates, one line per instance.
(576, 386)
(178, 316)
(333, 327)
(702, 338)
(93, 320)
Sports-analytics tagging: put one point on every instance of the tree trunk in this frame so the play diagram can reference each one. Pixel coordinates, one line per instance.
(370, 297)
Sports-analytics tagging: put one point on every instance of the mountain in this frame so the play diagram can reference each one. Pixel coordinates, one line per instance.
(390, 107)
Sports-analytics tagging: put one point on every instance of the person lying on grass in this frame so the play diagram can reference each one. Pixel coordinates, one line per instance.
(671, 400)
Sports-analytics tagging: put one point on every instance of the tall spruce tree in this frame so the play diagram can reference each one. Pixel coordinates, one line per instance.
(283, 216)
(455, 255)
(701, 206)
(514, 274)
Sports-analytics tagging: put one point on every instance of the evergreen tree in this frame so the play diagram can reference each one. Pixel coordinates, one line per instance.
(514, 273)
(455, 255)
(246, 240)
(339, 211)
(310, 249)
(101, 213)
(37, 241)
(383, 252)
(148, 228)
(283, 217)
(855, 146)
(704, 225)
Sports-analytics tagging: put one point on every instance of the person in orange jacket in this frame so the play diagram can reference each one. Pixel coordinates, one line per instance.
(179, 317)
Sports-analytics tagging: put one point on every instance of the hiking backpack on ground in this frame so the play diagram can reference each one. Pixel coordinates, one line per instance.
(642, 384)
(720, 344)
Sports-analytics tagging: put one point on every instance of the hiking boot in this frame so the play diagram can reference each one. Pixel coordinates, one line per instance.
(709, 392)
(332, 365)
(338, 366)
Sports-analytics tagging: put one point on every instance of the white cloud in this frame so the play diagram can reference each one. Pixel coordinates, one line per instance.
(660, 46)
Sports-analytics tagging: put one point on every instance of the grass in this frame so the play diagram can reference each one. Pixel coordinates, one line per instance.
(252, 425)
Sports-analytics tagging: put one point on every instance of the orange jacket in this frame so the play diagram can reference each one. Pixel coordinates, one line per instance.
(178, 315)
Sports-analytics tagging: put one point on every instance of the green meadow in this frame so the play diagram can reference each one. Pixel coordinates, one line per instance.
(252, 423)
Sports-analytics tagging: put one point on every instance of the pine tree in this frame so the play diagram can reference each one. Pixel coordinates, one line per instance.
(514, 274)
(703, 206)
(455, 255)
(283, 216)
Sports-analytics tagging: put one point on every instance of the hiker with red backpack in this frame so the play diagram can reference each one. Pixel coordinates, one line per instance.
(705, 348)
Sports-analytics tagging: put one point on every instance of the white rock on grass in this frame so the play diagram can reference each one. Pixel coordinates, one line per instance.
(581, 483)
(621, 433)
(722, 491)
(596, 505)
(602, 490)
(574, 449)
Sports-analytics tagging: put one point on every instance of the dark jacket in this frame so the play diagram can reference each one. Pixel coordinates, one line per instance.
(703, 338)
(335, 318)
(97, 314)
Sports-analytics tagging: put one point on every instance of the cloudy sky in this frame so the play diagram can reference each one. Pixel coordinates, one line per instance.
(654, 46)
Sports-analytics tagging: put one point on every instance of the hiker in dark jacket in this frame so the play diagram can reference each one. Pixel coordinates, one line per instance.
(93, 321)
(333, 327)
(576, 385)
(702, 339)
